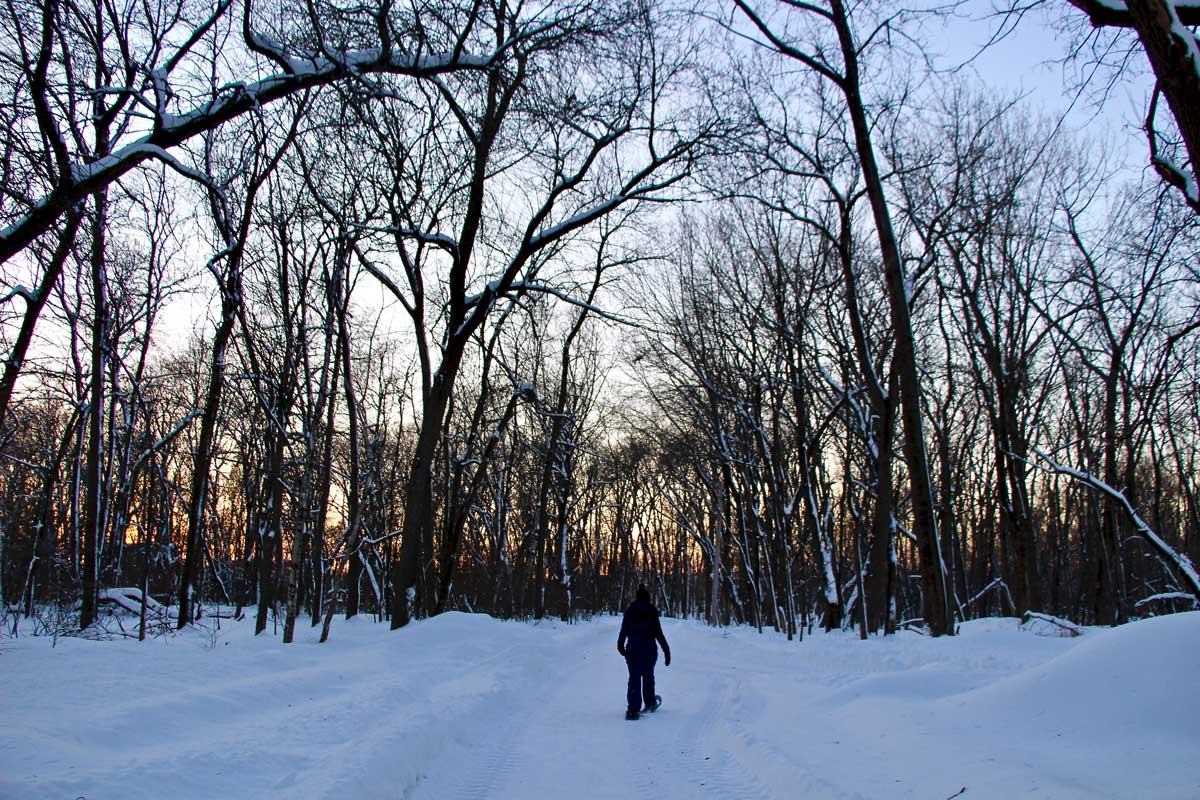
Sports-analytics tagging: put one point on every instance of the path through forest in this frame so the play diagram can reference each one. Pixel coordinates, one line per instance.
(463, 706)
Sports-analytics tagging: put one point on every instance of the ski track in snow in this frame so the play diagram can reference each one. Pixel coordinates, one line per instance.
(463, 706)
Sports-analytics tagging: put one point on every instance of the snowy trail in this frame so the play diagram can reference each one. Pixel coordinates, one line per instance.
(564, 726)
(464, 706)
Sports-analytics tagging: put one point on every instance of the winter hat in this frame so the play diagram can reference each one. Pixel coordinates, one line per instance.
(642, 594)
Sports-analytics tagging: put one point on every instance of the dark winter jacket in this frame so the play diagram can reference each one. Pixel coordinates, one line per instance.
(640, 629)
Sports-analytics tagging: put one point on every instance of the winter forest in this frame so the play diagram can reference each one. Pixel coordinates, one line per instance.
(382, 331)
(320, 309)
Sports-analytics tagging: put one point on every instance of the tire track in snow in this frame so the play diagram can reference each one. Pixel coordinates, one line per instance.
(651, 746)
(485, 755)
(725, 776)
(679, 762)
(575, 734)
(787, 775)
(493, 751)
(680, 751)
(390, 749)
(747, 696)
(456, 719)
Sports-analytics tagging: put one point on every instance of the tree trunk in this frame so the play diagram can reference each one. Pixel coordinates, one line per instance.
(418, 505)
(1172, 58)
(937, 609)
(1111, 605)
(94, 499)
(450, 544)
(231, 298)
(270, 538)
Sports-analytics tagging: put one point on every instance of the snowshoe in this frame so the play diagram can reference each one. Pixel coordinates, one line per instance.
(631, 714)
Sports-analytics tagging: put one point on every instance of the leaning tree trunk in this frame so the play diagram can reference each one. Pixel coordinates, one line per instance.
(231, 298)
(1110, 607)
(881, 566)
(269, 534)
(1171, 49)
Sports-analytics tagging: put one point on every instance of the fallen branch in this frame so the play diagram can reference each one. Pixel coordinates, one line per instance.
(130, 599)
(1068, 629)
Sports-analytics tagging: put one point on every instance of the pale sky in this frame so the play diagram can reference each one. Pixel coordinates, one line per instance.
(1032, 59)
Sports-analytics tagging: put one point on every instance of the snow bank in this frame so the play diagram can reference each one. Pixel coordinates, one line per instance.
(1111, 714)
(1141, 677)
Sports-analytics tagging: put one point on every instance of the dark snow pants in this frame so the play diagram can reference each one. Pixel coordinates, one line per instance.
(641, 677)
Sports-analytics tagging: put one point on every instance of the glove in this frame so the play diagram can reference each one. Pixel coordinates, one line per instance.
(620, 648)
(666, 659)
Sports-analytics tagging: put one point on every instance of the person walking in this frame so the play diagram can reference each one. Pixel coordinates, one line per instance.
(641, 632)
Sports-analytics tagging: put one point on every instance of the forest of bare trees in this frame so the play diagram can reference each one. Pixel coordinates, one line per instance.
(313, 309)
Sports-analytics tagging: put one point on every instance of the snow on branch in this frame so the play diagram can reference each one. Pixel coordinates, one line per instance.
(1164, 551)
(575, 221)
(1115, 13)
(377, 540)
(525, 286)
(996, 583)
(1167, 169)
(1175, 175)
(228, 103)
(180, 426)
(130, 599)
(442, 240)
(22, 292)
(1167, 597)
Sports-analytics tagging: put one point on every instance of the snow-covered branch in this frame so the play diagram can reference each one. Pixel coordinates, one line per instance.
(22, 292)
(130, 599)
(1115, 13)
(996, 583)
(1164, 551)
(1168, 597)
(1036, 622)
(521, 287)
(229, 102)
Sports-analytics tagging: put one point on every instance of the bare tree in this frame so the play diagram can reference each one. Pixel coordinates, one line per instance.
(156, 78)
(983, 199)
(1120, 315)
(232, 225)
(836, 21)
(574, 142)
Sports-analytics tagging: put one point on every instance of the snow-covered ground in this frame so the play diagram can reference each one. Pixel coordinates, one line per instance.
(463, 706)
